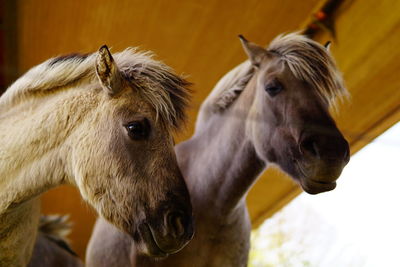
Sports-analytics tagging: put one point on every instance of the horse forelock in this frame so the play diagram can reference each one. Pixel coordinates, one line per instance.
(167, 92)
(311, 62)
(306, 59)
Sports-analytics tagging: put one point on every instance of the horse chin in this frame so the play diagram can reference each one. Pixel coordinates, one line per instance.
(317, 180)
(314, 187)
(148, 244)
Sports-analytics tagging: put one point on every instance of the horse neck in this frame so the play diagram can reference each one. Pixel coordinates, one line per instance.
(219, 162)
(27, 156)
(33, 159)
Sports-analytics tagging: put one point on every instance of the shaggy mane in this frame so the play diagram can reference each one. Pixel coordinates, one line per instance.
(308, 61)
(311, 62)
(167, 92)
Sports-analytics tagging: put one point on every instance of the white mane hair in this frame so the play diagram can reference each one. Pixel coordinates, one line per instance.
(307, 60)
(311, 62)
(167, 92)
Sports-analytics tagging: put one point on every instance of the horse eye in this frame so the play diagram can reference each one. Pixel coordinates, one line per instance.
(138, 130)
(273, 89)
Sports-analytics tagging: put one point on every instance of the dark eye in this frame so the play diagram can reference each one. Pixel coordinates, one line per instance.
(138, 130)
(273, 89)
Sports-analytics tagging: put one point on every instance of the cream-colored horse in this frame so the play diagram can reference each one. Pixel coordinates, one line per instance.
(104, 125)
(272, 109)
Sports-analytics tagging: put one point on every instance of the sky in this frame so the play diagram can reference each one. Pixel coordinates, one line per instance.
(357, 224)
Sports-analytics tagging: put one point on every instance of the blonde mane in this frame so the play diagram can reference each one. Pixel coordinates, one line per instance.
(167, 92)
(310, 62)
(307, 60)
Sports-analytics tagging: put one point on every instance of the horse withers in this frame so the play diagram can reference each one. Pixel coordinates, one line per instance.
(104, 124)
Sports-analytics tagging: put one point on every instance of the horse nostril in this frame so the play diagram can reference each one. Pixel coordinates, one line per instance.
(325, 147)
(310, 145)
(177, 223)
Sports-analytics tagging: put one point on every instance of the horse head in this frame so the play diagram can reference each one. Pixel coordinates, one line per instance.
(122, 154)
(294, 83)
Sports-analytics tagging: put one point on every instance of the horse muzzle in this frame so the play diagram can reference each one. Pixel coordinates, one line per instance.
(323, 159)
(175, 233)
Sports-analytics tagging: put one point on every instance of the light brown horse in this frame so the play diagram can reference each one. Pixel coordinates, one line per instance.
(102, 124)
(270, 110)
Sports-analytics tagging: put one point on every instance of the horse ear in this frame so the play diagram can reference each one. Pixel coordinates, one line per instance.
(107, 71)
(328, 45)
(253, 51)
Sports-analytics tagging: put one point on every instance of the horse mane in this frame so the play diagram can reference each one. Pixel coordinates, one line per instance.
(231, 85)
(311, 62)
(167, 92)
(308, 61)
(56, 228)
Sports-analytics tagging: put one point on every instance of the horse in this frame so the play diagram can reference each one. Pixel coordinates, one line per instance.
(52, 247)
(104, 124)
(271, 110)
